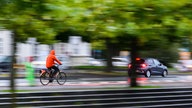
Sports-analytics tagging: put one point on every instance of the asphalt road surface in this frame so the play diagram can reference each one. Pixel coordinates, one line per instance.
(84, 81)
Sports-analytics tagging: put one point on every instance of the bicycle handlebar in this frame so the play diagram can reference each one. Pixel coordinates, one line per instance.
(56, 64)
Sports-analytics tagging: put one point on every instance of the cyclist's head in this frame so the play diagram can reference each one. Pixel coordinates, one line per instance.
(52, 52)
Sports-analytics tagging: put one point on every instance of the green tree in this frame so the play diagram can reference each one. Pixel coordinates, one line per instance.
(138, 20)
(103, 21)
(161, 50)
(30, 18)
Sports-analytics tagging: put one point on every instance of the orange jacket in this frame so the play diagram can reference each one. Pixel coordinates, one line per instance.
(51, 58)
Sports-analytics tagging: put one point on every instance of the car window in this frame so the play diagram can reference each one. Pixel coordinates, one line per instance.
(156, 62)
(8, 59)
(2, 57)
(5, 59)
(150, 61)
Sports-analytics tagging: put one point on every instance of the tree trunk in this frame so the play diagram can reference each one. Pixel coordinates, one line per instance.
(12, 72)
(134, 55)
(109, 65)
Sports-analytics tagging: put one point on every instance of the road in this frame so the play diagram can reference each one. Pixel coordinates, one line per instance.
(82, 81)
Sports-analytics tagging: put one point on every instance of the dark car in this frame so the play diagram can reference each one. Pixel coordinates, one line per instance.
(148, 67)
(5, 63)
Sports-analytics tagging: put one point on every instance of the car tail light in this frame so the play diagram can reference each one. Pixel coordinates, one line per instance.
(129, 65)
(138, 59)
(143, 65)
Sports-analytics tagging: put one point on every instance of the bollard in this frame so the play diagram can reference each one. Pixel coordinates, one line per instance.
(29, 73)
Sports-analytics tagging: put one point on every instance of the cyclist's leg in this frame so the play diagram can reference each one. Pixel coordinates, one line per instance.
(56, 70)
(50, 75)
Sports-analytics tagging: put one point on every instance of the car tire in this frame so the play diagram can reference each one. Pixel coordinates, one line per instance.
(148, 74)
(164, 73)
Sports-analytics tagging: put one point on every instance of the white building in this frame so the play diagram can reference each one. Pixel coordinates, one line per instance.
(30, 50)
(24, 51)
(76, 49)
(5, 43)
(42, 50)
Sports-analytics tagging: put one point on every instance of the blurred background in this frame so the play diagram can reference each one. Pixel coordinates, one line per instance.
(96, 40)
(96, 32)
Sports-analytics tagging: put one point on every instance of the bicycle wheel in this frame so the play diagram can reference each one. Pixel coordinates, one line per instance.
(44, 78)
(61, 78)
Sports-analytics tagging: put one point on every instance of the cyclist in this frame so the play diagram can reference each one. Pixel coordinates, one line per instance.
(50, 63)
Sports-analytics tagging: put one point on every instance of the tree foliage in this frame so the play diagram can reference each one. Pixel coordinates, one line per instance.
(30, 18)
(106, 22)
(100, 19)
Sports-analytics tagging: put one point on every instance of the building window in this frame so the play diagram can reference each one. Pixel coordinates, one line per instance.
(1, 46)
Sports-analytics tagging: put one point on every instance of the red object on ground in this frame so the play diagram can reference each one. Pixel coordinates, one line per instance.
(138, 79)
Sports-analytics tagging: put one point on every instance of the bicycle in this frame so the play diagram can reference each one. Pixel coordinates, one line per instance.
(47, 75)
